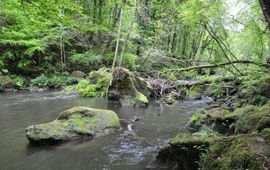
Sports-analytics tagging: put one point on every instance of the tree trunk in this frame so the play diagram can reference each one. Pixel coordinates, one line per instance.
(126, 39)
(119, 33)
(265, 5)
(220, 65)
(116, 16)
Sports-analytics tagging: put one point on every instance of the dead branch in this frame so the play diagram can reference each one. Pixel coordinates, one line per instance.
(220, 65)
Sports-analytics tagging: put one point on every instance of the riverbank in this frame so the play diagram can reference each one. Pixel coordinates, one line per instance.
(225, 135)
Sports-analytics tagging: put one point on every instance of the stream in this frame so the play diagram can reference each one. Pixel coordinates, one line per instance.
(117, 151)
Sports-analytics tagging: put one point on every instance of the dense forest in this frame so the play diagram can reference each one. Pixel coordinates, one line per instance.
(138, 51)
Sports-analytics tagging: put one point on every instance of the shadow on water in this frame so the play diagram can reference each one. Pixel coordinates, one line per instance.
(143, 131)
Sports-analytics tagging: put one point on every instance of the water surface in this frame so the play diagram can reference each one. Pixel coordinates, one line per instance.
(117, 151)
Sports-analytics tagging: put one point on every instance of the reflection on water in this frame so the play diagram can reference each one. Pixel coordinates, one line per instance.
(120, 150)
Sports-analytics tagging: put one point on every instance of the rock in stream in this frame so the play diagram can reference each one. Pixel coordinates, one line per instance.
(74, 123)
(128, 88)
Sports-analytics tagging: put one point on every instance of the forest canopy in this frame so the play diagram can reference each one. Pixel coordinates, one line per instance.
(48, 37)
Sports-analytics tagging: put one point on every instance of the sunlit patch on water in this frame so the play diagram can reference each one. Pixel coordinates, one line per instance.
(128, 151)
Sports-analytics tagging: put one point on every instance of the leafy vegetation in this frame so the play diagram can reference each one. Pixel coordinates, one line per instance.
(53, 81)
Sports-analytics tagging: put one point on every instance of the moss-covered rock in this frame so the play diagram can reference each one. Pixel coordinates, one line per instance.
(78, 74)
(97, 85)
(252, 119)
(221, 153)
(231, 153)
(215, 119)
(170, 98)
(266, 134)
(264, 88)
(102, 73)
(128, 88)
(183, 152)
(247, 119)
(195, 92)
(74, 123)
(7, 82)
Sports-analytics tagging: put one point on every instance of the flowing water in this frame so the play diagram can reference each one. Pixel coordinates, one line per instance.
(117, 151)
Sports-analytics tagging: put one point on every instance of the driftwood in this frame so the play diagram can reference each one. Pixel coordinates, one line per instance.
(220, 65)
(161, 86)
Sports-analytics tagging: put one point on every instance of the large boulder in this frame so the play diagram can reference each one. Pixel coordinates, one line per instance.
(74, 123)
(233, 152)
(78, 74)
(129, 88)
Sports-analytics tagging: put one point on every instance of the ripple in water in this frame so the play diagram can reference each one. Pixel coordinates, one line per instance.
(128, 151)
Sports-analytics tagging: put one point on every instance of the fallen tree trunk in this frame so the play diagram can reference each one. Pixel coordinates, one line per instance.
(220, 65)
(198, 83)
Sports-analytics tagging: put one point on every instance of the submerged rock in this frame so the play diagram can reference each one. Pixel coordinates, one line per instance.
(74, 123)
(128, 88)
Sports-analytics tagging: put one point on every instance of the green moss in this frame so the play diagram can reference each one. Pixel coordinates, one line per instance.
(97, 85)
(264, 87)
(230, 153)
(74, 123)
(169, 99)
(128, 88)
(247, 119)
(89, 91)
(216, 90)
(258, 100)
(256, 118)
(221, 153)
(205, 133)
(196, 121)
(265, 133)
(211, 120)
(195, 92)
(142, 98)
(98, 88)
(181, 139)
(100, 74)
(185, 151)
(75, 111)
(196, 117)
